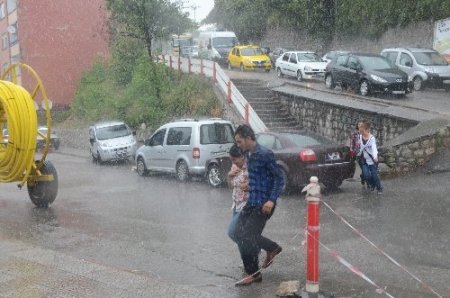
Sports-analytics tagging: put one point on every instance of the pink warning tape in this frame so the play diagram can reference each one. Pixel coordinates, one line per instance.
(426, 286)
(353, 268)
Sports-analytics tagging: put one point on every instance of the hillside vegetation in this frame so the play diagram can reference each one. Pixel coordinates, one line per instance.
(324, 18)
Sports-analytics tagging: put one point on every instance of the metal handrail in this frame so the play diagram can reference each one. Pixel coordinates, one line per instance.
(213, 70)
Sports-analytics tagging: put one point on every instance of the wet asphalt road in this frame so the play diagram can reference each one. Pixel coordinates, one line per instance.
(111, 233)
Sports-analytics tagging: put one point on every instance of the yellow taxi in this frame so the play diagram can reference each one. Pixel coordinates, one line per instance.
(248, 57)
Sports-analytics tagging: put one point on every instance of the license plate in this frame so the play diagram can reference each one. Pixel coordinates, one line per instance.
(333, 156)
(398, 92)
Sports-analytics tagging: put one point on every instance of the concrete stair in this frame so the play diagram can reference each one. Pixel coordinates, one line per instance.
(268, 108)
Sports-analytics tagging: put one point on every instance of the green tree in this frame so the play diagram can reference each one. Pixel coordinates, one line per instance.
(146, 19)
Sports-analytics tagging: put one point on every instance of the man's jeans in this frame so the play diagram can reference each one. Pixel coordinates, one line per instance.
(250, 225)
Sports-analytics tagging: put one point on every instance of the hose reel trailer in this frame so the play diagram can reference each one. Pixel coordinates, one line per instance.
(19, 118)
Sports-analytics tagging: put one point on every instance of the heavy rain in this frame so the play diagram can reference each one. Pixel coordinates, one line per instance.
(140, 137)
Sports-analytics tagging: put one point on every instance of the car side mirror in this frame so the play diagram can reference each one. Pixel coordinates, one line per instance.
(209, 47)
(133, 132)
(91, 140)
(408, 64)
(147, 142)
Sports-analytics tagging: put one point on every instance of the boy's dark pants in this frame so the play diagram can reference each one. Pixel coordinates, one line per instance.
(250, 226)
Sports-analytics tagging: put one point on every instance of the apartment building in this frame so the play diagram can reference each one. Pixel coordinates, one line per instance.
(59, 39)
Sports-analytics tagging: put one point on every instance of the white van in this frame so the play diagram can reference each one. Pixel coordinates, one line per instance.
(183, 147)
(215, 45)
(425, 67)
(110, 141)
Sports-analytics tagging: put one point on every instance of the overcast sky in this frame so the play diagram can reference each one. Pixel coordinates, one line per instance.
(203, 8)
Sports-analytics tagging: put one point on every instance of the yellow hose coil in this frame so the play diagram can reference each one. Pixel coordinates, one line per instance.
(17, 108)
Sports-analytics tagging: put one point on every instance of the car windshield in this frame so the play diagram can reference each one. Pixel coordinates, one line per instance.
(112, 132)
(429, 58)
(251, 52)
(308, 57)
(306, 139)
(224, 42)
(375, 62)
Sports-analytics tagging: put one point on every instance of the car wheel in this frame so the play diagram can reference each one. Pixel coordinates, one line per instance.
(140, 167)
(332, 184)
(94, 158)
(229, 65)
(56, 145)
(364, 88)
(299, 76)
(287, 187)
(99, 158)
(43, 193)
(214, 177)
(279, 73)
(417, 83)
(329, 82)
(242, 67)
(182, 171)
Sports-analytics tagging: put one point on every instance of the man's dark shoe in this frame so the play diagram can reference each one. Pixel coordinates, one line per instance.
(249, 279)
(270, 256)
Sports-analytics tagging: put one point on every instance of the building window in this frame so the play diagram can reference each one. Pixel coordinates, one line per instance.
(12, 29)
(11, 5)
(2, 10)
(5, 43)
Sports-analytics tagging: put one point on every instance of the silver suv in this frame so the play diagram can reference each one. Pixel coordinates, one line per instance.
(425, 67)
(111, 140)
(184, 146)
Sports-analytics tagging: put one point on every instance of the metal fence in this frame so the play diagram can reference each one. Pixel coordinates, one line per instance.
(213, 70)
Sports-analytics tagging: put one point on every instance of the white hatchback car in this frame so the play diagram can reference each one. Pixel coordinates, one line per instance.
(300, 64)
(111, 141)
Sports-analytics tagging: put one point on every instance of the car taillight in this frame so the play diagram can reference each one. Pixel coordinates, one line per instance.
(307, 155)
(196, 153)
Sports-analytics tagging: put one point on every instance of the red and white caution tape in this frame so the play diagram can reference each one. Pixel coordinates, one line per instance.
(353, 268)
(426, 286)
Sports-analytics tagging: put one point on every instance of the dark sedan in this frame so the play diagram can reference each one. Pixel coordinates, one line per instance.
(366, 73)
(300, 155)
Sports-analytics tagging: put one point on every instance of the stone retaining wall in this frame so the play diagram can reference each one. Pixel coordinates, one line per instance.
(418, 34)
(338, 122)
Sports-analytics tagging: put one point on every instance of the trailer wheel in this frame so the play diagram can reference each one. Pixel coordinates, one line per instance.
(43, 193)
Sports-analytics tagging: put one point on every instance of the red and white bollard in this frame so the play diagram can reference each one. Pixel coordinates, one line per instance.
(313, 197)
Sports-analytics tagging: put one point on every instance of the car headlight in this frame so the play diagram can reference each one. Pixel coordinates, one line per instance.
(377, 78)
(410, 78)
(429, 69)
(307, 68)
(104, 145)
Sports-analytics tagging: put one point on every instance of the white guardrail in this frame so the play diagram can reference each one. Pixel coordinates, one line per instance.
(213, 70)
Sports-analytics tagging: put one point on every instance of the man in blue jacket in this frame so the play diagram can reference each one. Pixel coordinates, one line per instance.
(265, 186)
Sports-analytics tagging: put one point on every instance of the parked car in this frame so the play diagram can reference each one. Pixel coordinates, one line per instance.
(42, 134)
(300, 155)
(300, 64)
(275, 54)
(366, 73)
(183, 147)
(111, 141)
(426, 67)
(248, 57)
(331, 54)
